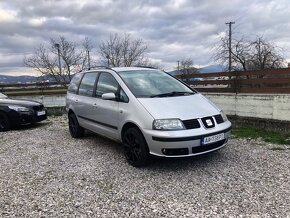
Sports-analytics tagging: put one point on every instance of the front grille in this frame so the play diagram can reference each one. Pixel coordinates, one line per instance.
(203, 148)
(208, 122)
(219, 119)
(38, 108)
(191, 124)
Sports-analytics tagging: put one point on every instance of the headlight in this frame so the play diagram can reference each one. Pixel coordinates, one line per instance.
(19, 108)
(168, 124)
(224, 116)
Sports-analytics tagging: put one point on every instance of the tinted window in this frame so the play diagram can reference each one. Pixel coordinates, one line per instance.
(87, 84)
(106, 84)
(74, 84)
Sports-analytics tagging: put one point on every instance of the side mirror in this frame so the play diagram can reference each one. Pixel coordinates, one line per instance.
(109, 96)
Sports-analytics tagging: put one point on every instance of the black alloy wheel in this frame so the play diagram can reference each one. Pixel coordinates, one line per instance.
(4, 122)
(135, 148)
(75, 129)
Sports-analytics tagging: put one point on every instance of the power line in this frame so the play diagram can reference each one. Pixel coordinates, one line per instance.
(230, 44)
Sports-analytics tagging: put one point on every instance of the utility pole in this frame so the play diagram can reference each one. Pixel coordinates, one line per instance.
(230, 44)
(178, 66)
(58, 52)
(89, 60)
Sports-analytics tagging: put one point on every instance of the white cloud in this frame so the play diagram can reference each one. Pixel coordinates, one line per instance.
(7, 16)
(173, 29)
(37, 21)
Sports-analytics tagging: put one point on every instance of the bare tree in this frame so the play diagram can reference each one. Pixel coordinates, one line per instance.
(240, 53)
(122, 50)
(186, 67)
(88, 60)
(146, 62)
(58, 59)
(264, 55)
(249, 55)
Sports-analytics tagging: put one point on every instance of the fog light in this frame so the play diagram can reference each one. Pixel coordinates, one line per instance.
(164, 150)
(175, 151)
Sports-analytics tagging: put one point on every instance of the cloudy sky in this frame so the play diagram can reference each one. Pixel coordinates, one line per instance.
(173, 29)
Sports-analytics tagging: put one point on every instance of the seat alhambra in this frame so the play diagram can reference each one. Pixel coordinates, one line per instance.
(147, 110)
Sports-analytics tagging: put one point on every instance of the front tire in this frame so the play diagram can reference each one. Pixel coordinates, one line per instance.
(76, 131)
(4, 122)
(135, 148)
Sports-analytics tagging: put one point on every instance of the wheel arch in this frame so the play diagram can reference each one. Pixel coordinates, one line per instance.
(70, 111)
(129, 125)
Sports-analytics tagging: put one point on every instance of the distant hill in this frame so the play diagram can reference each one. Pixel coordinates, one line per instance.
(176, 72)
(25, 79)
(212, 68)
(207, 69)
(17, 79)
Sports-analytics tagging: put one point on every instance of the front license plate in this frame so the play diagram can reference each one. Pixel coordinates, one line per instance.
(40, 113)
(213, 138)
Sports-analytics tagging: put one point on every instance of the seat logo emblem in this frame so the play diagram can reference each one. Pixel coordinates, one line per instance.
(209, 122)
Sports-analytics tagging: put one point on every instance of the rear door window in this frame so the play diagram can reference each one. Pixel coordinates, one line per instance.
(87, 84)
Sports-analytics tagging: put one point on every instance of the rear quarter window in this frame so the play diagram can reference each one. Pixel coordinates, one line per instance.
(74, 84)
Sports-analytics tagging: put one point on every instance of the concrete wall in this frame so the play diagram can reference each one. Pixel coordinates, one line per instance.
(266, 106)
(47, 100)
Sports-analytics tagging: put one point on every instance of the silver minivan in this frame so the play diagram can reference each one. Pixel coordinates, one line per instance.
(147, 110)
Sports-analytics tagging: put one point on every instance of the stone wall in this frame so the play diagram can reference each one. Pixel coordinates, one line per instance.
(265, 106)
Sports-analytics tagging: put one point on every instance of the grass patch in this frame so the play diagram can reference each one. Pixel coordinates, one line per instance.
(267, 136)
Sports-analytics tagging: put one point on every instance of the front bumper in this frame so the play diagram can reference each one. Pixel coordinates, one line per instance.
(185, 143)
(21, 118)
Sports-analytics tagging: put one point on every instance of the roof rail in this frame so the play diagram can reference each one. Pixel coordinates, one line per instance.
(100, 66)
(95, 67)
(145, 67)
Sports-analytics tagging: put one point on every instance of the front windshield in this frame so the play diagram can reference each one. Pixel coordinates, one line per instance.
(153, 83)
(3, 96)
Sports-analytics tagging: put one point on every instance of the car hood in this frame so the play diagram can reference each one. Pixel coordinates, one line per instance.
(25, 103)
(182, 107)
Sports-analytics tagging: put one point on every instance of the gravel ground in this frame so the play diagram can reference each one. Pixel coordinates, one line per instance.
(46, 173)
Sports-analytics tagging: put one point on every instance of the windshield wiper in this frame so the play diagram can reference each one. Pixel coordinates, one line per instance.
(170, 94)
